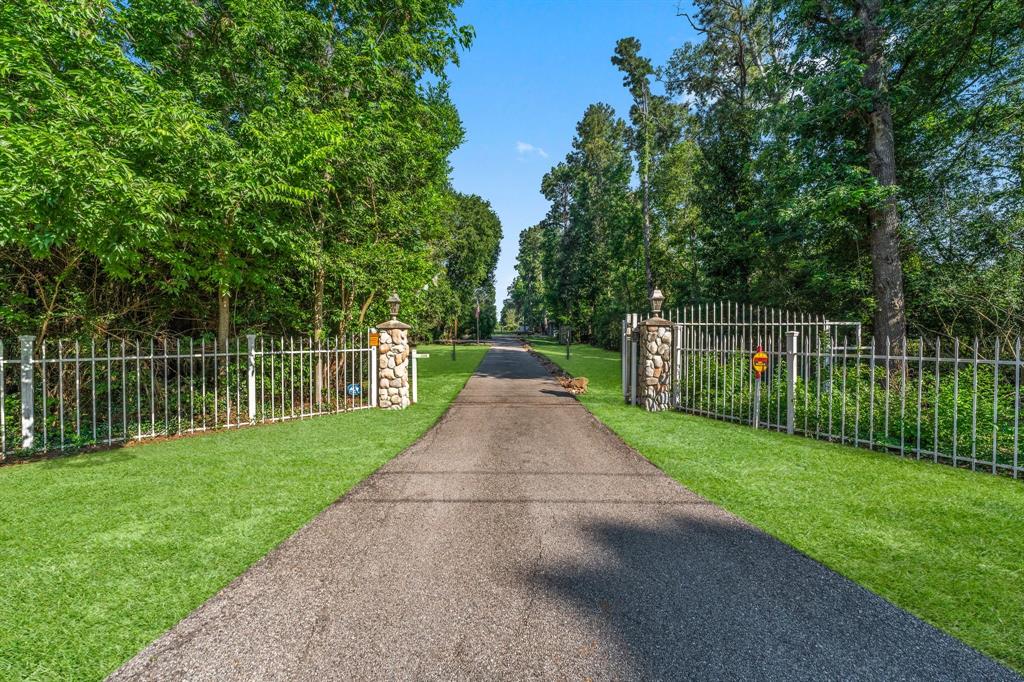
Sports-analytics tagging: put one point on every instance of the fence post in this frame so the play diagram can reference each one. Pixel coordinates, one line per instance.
(28, 403)
(632, 363)
(414, 373)
(251, 341)
(757, 401)
(791, 343)
(677, 374)
(624, 357)
(373, 374)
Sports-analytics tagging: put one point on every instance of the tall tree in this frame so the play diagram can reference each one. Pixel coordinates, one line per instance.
(723, 76)
(95, 157)
(269, 164)
(637, 72)
(470, 259)
(918, 83)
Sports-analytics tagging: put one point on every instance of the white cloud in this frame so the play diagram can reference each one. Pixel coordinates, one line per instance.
(525, 148)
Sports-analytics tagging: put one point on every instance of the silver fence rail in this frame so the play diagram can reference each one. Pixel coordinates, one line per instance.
(64, 395)
(945, 401)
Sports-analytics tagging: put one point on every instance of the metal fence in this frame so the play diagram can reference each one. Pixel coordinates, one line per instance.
(947, 401)
(65, 395)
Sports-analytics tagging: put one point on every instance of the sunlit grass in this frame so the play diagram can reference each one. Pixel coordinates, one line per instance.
(943, 543)
(101, 553)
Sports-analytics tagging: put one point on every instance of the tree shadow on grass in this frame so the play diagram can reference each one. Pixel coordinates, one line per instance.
(93, 456)
(95, 459)
(707, 597)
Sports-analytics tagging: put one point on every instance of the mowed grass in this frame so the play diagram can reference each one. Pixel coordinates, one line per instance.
(944, 544)
(101, 553)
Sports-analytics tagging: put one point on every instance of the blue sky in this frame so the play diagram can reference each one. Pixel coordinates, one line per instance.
(534, 67)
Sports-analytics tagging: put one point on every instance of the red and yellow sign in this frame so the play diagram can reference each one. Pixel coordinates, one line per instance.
(760, 361)
(374, 339)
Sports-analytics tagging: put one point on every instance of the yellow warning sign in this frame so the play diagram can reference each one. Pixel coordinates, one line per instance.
(760, 362)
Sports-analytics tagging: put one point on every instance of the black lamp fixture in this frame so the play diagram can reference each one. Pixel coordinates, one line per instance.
(656, 300)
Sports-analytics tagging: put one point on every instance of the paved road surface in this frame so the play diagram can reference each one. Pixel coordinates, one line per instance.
(520, 539)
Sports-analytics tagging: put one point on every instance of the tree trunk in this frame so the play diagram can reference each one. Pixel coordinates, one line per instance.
(890, 319)
(223, 306)
(347, 299)
(318, 303)
(363, 308)
(647, 235)
(645, 170)
(223, 317)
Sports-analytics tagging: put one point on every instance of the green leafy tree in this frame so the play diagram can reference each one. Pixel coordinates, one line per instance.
(470, 259)
(858, 158)
(169, 162)
(94, 155)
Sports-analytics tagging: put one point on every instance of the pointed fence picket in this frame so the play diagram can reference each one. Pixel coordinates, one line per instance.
(920, 398)
(76, 395)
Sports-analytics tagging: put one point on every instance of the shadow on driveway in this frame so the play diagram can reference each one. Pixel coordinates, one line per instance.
(688, 597)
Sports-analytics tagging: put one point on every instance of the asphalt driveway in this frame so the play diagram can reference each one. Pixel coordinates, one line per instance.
(520, 539)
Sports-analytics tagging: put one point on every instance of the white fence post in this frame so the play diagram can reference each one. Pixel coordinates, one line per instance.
(791, 343)
(28, 403)
(632, 363)
(624, 356)
(251, 341)
(415, 376)
(677, 342)
(373, 374)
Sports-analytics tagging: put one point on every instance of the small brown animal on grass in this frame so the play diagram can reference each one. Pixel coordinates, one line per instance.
(575, 385)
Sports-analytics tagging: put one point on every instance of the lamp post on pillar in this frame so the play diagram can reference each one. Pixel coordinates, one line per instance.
(393, 360)
(655, 346)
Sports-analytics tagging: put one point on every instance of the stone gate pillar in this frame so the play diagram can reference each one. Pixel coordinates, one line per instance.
(393, 354)
(655, 357)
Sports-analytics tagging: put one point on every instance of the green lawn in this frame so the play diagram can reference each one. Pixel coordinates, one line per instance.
(945, 544)
(100, 553)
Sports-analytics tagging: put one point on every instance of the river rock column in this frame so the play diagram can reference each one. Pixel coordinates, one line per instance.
(655, 369)
(393, 355)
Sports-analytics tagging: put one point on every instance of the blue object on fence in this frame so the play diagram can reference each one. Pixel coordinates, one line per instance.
(354, 390)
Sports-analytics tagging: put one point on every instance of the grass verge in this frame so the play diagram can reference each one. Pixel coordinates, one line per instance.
(945, 544)
(101, 553)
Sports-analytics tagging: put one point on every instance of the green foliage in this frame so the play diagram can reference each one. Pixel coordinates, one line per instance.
(575, 267)
(761, 187)
(167, 163)
(470, 260)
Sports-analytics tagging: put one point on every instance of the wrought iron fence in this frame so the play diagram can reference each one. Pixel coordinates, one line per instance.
(65, 395)
(947, 401)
